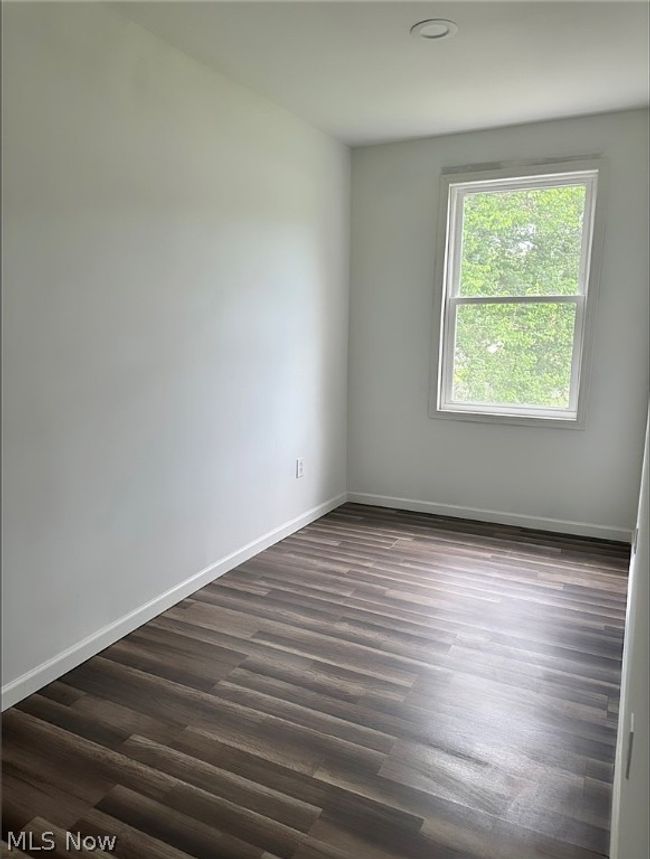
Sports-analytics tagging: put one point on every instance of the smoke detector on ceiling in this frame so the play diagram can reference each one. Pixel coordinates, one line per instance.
(434, 29)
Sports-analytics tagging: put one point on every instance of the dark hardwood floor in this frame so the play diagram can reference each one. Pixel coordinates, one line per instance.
(380, 685)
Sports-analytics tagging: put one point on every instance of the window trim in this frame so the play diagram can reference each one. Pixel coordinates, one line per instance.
(515, 175)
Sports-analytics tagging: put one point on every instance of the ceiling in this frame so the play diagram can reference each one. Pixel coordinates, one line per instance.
(353, 70)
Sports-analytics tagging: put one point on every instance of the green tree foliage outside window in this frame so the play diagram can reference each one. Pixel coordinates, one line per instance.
(518, 243)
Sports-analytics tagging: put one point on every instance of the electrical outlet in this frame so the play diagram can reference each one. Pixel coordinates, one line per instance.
(300, 467)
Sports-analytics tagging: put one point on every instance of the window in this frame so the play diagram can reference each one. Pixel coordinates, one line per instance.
(515, 273)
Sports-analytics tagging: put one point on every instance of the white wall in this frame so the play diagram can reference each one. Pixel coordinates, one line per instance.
(630, 829)
(395, 449)
(175, 323)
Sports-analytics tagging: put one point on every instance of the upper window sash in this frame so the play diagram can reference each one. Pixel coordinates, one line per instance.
(458, 191)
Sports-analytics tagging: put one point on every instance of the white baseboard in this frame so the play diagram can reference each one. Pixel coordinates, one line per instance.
(541, 523)
(68, 659)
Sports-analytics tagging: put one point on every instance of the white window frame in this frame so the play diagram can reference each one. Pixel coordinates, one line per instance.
(455, 185)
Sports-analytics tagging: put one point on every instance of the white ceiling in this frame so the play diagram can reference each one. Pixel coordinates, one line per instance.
(352, 69)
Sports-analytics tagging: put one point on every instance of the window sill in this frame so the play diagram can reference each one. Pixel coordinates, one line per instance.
(538, 421)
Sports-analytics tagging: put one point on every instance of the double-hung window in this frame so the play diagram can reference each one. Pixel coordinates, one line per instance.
(515, 271)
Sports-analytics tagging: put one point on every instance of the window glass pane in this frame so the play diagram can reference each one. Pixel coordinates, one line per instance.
(514, 354)
(522, 242)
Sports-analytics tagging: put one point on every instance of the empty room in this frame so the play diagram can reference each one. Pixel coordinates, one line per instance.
(324, 429)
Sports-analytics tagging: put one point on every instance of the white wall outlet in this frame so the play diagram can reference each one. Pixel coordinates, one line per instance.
(300, 467)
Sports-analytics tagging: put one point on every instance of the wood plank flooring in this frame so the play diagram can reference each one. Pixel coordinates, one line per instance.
(380, 685)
